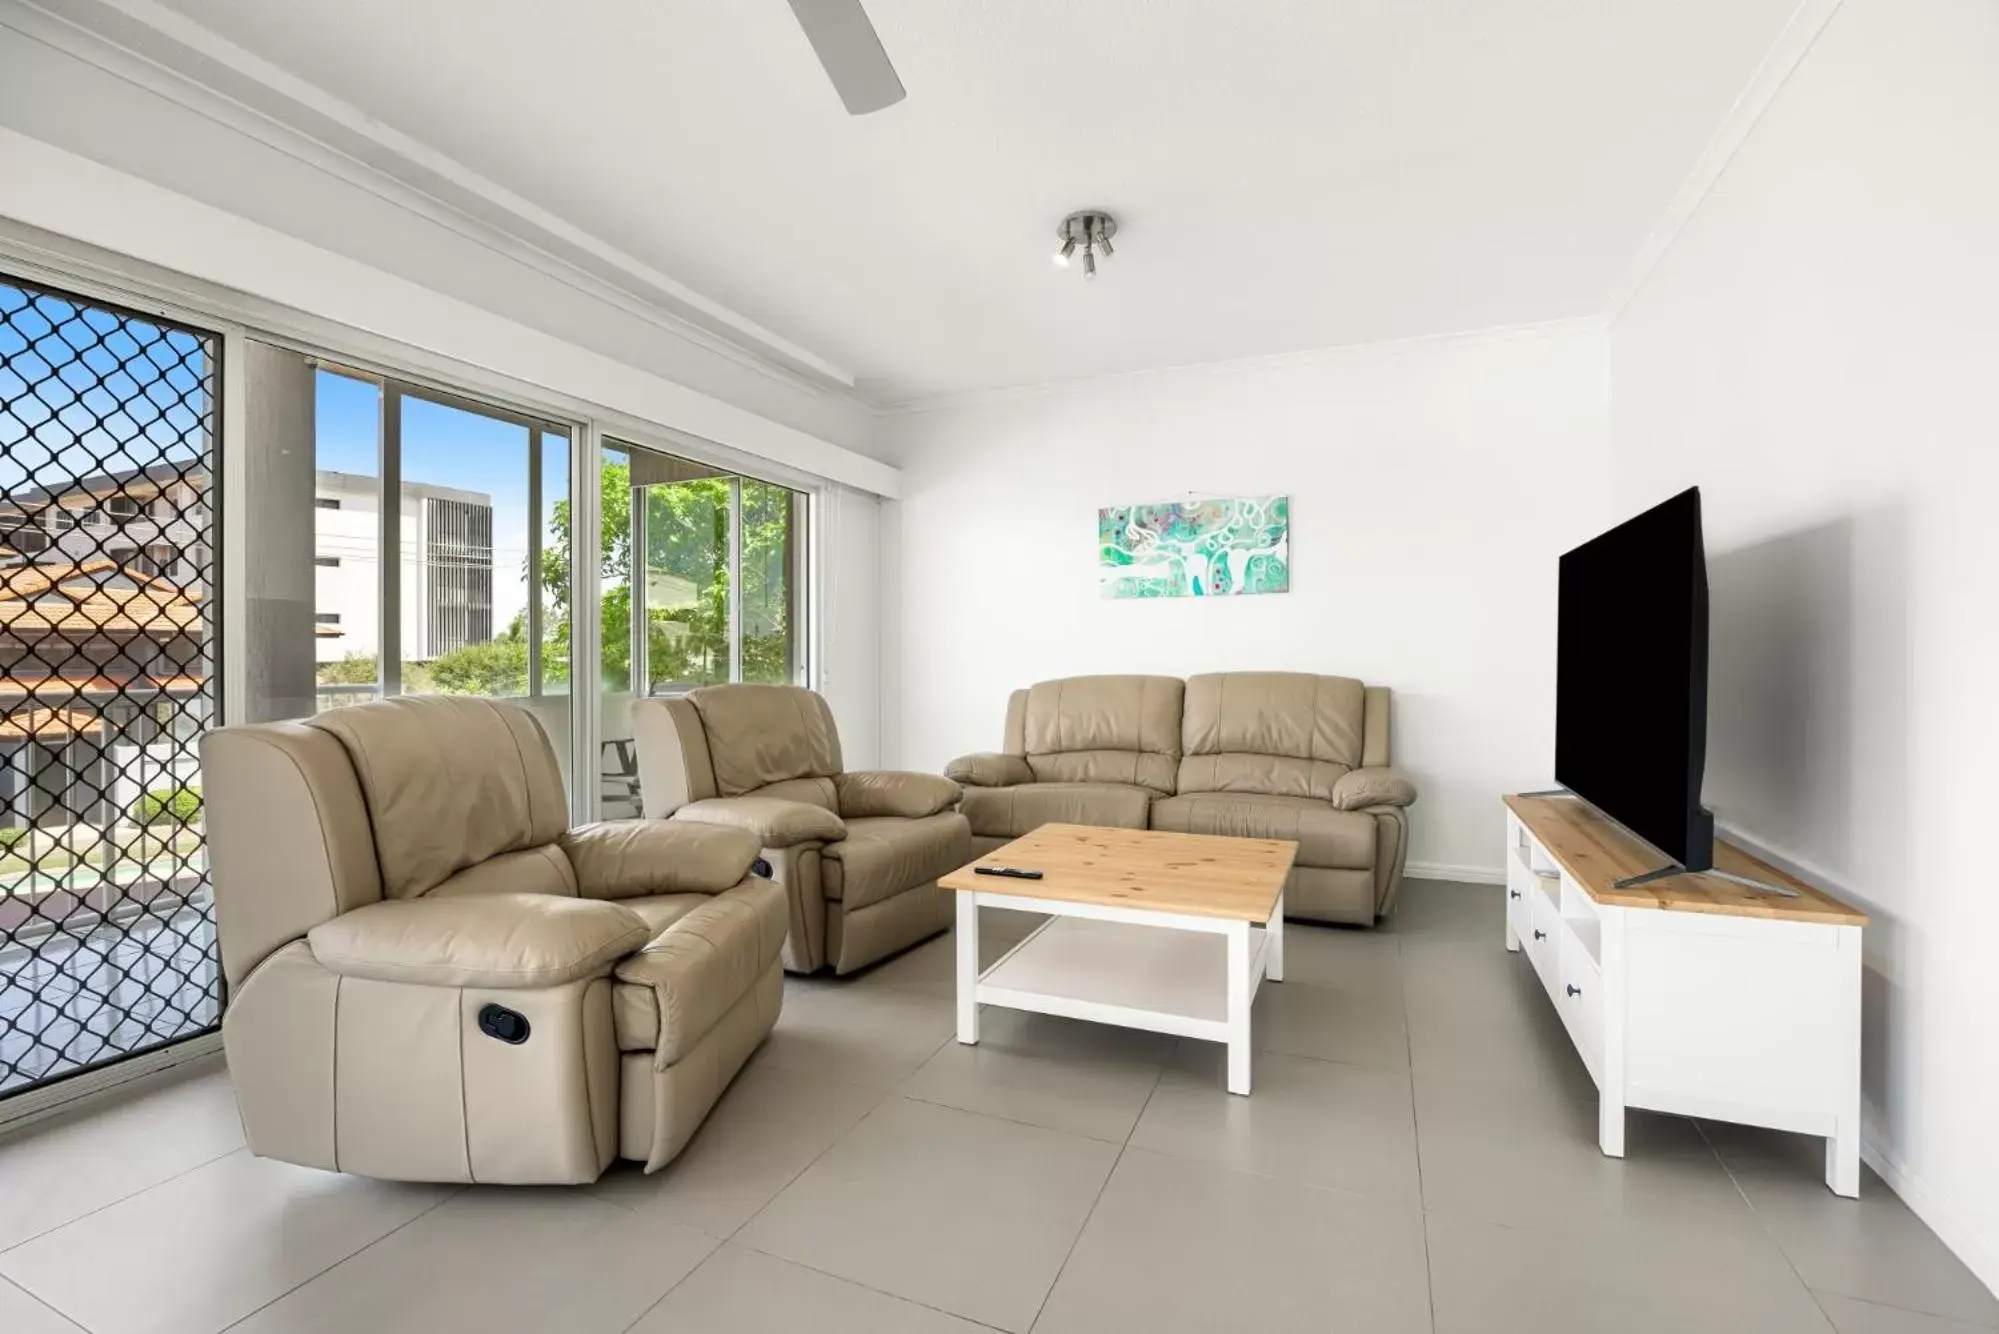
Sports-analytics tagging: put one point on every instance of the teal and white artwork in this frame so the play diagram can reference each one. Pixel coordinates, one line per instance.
(1195, 548)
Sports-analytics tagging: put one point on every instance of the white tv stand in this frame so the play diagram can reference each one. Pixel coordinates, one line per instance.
(1692, 994)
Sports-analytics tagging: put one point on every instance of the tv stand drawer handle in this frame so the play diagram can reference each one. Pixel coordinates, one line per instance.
(1512, 893)
(1539, 934)
(1574, 990)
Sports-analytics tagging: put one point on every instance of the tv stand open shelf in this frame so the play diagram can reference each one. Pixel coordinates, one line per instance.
(1693, 993)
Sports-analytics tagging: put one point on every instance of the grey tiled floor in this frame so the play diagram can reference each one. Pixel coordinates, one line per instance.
(1419, 1154)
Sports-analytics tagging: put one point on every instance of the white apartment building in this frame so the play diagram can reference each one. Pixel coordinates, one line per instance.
(446, 567)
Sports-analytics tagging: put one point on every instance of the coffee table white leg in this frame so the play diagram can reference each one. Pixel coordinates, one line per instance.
(1273, 953)
(1238, 1006)
(968, 967)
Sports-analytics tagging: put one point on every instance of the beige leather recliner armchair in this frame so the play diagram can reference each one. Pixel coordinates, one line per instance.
(1253, 754)
(858, 854)
(432, 977)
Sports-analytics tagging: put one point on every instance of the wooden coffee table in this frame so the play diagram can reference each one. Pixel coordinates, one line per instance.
(1146, 929)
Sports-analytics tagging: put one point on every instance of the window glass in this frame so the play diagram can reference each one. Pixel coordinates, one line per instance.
(346, 538)
(773, 556)
(687, 584)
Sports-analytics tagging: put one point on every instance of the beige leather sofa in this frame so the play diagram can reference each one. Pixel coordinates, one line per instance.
(858, 854)
(1254, 754)
(432, 977)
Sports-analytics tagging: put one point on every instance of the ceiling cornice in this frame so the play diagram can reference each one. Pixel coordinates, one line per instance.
(146, 44)
(1772, 73)
(979, 398)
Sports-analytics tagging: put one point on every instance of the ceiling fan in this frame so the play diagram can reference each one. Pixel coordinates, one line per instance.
(847, 46)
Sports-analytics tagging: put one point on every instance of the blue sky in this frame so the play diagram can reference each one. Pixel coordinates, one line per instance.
(85, 391)
(447, 446)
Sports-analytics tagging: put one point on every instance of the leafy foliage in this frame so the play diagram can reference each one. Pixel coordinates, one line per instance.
(356, 669)
(687, 543)
(167, 805)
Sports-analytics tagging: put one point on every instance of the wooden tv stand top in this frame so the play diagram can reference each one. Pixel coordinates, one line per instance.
(1596, 853)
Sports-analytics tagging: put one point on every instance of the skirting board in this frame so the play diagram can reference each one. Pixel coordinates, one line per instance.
(1471, 875)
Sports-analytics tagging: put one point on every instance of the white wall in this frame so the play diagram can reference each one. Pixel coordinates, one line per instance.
(1432, 486)
(1819, 350)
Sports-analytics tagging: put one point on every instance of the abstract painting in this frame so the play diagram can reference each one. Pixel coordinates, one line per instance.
(1195, 548)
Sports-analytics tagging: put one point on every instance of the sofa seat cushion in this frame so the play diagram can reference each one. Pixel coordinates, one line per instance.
(674, 990)
(882, 856)
(1325, 835)
(1009, 812)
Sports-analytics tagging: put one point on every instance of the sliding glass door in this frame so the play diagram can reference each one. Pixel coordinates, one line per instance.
(441, 556)
(703, 582)
(108, 646)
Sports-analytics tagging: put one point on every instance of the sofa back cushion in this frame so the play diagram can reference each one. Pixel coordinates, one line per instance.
(449, 782)
(288, 839)
(1101, 729)
(759, 735)
(1287, 734)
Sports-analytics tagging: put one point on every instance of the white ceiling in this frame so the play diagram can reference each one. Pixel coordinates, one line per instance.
(1289, 174)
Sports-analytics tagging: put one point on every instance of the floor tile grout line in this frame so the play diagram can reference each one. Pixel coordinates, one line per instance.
(674, 1286)
(46, 1305)
(1761, 1225)
(1077, 1240)
(869, 1287)
(122, 1199)
(1899, 1310)
(1416, 1127)
(793, 1178)
(1700, 1129)
(310, 1278)
(1012, 1120)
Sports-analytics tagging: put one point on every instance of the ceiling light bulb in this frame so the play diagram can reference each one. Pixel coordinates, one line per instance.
(1089, 262)
(1062, 255)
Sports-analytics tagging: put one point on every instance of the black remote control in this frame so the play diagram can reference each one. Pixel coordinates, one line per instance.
(1010, 872)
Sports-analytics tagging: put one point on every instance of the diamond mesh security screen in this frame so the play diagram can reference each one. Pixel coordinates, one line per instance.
(107, 652)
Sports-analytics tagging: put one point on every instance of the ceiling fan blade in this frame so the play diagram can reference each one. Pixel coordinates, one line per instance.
(847, 46)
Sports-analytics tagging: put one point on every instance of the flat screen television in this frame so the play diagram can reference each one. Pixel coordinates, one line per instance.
(1631, 678)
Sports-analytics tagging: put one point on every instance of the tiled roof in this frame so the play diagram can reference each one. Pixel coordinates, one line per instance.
(48, 724)
(65, 689)
(74, 597)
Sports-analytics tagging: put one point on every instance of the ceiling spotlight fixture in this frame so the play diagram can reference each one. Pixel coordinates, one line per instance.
(1089, 230)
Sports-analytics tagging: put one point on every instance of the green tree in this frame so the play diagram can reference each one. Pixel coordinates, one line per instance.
(687, 534)
(355, 669)
(495, 667)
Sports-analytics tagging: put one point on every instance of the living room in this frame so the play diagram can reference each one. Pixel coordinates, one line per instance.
(410, 921)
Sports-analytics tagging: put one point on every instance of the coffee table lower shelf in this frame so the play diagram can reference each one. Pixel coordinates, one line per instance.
(1193, 977)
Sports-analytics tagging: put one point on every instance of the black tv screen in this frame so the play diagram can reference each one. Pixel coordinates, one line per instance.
(1631, 678)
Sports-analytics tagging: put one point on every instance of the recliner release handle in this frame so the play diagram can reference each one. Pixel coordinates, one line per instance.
(509, 1026)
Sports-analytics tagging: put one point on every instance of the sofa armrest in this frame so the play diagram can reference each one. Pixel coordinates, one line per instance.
(706, 961)
(622, 859)
(885, 792)
(989, 769)
(486, 940)
(1358, 788)
(777, 823)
